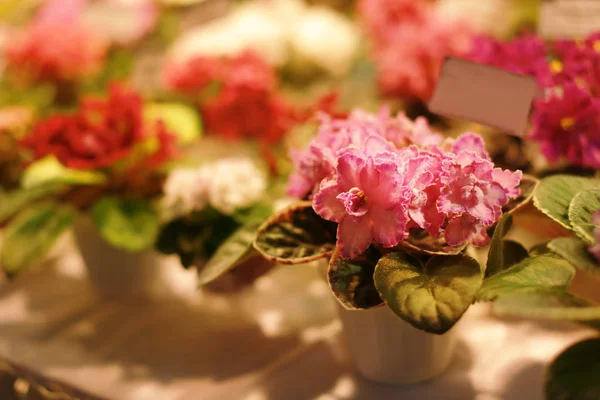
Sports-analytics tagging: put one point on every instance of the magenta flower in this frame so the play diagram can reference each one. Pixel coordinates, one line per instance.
(566, 123)
(366, 200)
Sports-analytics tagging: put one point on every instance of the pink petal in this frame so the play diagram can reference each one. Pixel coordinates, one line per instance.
(350, 164)
(354, 236)
(326, 204)
(508, 180)
(471, 142)
(389, 225)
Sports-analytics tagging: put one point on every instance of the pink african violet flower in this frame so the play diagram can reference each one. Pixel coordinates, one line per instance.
(318, 160)
(410, 43)
(566, 123)
(366, 199)
(369, 174)
(595, 248)
(55, 46)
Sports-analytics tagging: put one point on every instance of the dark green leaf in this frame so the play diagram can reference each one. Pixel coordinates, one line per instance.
(575, 251)
(13, 202)
(554, 195)
(296, 235)
(583, 205)
(128, 224)
(352, 280)
(431, 296)
(575, 373)
(532, 274)
(503, 254)
(550, 304)
(30, 235)
(236, 249)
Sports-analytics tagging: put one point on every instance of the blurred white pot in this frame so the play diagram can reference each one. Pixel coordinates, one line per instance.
(116, 273)
(388, 350)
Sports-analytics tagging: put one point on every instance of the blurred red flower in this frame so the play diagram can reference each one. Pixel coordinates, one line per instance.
(101, 133)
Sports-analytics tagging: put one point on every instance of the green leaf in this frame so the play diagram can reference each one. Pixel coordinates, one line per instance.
(49, 170)
(128, 224)
(583, 205)
(549, 304)
(31, 234)
(11, 203)
(235, 250)
(532, 274)
(431, 296)
(575, 373)
(181, 120)
(527, 187)
(575, 251)
(503, 254)
(351, 281)
(296, 235)
(555, 193)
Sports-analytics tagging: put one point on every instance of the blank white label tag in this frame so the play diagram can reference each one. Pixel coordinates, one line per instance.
(569, 19)
(484, 94)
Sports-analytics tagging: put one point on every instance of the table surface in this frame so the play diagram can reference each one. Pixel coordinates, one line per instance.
(278, 340)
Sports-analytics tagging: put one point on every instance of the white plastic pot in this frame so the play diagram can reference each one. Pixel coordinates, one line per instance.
(116, 273)
(388, 350)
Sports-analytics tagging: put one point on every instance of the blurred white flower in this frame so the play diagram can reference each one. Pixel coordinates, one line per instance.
(235, 183)
(185, 190)
(491, 16)
(326, 39)
(274, 29)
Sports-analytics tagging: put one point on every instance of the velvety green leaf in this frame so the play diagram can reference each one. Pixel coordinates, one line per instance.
(13, 202)
(31, 234)
(503, 254)
(421, 242)
(352, 280)
(583, 205)
(532, 274)
(232, 252)
(296, 235)
(575, 251)
(128, 224)
(554, 195)
(49, 170)
(575, 373)
(550, 304)
(527, 186)
(431, 296)
(179, 119)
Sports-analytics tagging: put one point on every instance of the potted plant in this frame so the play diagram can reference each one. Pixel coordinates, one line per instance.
(100, 170)
(395, 208)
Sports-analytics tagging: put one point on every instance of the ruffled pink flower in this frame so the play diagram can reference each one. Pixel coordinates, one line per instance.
(595, 248)
(566, 123)
(366, 200)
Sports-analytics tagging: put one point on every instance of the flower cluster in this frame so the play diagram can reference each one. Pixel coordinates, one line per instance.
(247, 104)
(55, 47)
(410, 42)
(101, 133)
(216, 184)
(378, 177)
(566, 120)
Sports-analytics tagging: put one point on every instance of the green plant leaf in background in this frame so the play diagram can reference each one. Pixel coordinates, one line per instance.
(183, 121)
(503, 254)
(31, 234)
(49, 170)
(583, 205)
(575, 251)
(296, 235)
(14, 201)
(351, 281)
(575, 373)
(554, 194)
(541, 272)
(548, 304)
(128, 224)
(431, 296)
(236, 249)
